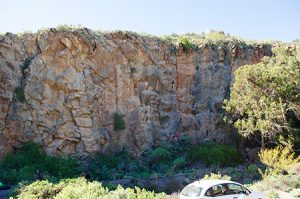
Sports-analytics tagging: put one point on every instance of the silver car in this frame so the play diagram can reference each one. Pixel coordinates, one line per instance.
(218, 189)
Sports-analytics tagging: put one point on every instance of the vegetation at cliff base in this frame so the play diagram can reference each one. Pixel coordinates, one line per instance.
(215, 154)
(24, 163)
(166, 158)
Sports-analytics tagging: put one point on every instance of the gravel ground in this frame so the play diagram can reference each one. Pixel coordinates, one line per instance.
(4, 194)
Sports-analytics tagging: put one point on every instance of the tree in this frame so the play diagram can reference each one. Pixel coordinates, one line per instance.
(264, 94)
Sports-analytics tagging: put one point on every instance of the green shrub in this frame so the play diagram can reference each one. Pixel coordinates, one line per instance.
(216, 176)
(62, 167)
(23, 164)
(20, 94)
(135, 193)
(272, 194)
(278, 159)
(119, 123)
(215, 154)
(181, 146)
(145, 174)
(81, 188)
(186, 43)
(161, 168)
(179, 163)
(37, 190)
(160, 155)
(113, 166)
(252, 169)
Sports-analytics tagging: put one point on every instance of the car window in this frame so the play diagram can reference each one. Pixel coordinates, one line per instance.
(235, 189)
(191, 191)
(217, 190)
(209, 192)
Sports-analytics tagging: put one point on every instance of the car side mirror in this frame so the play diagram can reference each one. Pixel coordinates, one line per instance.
(247, 192)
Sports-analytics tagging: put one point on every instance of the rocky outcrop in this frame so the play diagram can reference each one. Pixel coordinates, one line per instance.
(74, 82)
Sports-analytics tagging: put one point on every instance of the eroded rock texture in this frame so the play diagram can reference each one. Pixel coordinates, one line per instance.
(74, 82)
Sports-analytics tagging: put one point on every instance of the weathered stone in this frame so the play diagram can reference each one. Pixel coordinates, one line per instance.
(77, 80)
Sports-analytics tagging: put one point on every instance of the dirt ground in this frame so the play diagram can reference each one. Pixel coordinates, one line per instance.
(284, 195)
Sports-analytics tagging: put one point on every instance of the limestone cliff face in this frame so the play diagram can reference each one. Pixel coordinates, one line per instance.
(74, 82)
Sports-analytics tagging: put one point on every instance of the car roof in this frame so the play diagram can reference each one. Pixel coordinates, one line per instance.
(205, 184)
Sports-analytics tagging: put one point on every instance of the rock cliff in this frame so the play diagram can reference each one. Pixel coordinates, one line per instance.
(74, 82)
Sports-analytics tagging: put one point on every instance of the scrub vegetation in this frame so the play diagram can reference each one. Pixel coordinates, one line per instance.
(263, 109)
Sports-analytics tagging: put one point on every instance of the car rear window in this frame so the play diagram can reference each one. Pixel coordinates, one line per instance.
(191, 191)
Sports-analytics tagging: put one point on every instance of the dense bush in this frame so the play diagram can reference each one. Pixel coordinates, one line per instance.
(180, 146)
(23, 164)
(265, 97)
(215, 154)
(165, 159)
(38, 189)
(160, 155)
(114, 166)
(81, 188)
(278, 159)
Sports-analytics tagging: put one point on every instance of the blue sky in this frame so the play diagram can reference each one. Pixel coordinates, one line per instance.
(255, 19)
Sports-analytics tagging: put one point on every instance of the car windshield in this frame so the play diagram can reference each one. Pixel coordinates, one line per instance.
(191, 191)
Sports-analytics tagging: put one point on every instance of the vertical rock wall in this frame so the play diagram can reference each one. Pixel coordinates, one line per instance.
(74, 82)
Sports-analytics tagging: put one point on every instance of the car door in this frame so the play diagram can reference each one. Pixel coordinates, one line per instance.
(216, 192)
(236, 191)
